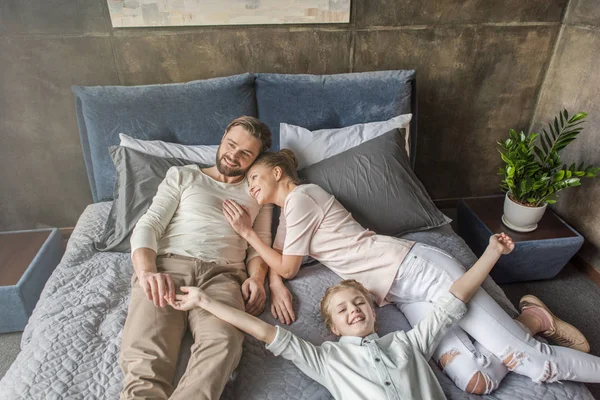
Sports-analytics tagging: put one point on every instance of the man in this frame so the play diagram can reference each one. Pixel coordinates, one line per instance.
(184, 240)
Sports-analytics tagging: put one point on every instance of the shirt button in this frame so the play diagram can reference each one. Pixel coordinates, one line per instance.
(388, 383)
(377, 359)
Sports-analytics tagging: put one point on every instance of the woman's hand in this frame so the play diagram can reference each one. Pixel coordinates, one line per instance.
(193, 298)
(238, 216)
(502, 243)
(253, 291)
(281, 303)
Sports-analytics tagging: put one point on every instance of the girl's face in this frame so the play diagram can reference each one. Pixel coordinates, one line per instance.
(351, 314)
(263, 182)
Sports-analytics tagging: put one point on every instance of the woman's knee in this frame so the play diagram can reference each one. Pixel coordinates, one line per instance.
(480, 383)
(447, 358)
(456, 366)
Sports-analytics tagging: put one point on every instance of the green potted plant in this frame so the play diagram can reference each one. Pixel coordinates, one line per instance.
(534, 174)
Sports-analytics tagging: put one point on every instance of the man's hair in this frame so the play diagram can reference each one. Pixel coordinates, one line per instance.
(256, 128)
(346, 284)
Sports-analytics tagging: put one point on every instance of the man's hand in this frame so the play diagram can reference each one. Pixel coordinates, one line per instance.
(238, 217)
(157, 286)
(281, 303)
(253, 290)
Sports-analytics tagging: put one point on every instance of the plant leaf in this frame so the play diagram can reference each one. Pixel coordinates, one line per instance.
(538, 153)
(578, 116)
(562, 121)
(559, 176)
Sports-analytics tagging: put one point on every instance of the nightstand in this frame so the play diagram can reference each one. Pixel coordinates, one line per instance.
(540, 254)
(27, 259)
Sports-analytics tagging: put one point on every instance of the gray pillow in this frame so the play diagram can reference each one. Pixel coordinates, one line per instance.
(375, 182)
(138, 177)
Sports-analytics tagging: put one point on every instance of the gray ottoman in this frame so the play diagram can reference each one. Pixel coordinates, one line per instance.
(540, 254)
(27, 259)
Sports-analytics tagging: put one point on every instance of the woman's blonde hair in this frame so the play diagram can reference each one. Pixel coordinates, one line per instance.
(346, 284)
(284, 159)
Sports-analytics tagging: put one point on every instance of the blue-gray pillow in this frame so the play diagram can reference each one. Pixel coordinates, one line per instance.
(375, 182)
(138, 178)
(332, 101)
(187, 113)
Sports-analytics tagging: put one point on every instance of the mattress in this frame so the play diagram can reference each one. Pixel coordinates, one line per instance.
(70, 347)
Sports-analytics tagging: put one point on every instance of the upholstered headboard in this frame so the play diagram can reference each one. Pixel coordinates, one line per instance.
(197, 112)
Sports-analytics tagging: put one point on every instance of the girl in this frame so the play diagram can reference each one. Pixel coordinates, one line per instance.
(413, 276)
(362, 365)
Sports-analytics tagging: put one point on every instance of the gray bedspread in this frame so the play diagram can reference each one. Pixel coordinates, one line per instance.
(70, 347)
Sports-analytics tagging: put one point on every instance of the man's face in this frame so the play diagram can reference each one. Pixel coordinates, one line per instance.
(237, 152)
(351, 314)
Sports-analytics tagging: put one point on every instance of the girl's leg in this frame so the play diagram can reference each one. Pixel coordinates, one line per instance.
(488, 324)
(472, 368)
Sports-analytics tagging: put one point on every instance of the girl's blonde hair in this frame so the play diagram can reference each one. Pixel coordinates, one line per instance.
(284, 159)
(346, 284)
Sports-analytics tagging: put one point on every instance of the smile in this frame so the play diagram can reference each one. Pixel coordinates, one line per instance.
(357, 319)
(254, 192)
(229, 162)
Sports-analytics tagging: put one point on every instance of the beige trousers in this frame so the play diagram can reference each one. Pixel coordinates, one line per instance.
(152, 335)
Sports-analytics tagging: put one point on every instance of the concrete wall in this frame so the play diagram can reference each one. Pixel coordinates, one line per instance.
(480, 68)
(573, 82)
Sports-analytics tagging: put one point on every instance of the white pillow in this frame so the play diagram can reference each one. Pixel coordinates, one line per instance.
(198, 153)
(310, 147)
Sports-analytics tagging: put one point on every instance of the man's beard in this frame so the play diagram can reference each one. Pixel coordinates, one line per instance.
(227, 170)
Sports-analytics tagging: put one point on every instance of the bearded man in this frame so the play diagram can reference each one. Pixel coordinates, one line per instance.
(184, 240)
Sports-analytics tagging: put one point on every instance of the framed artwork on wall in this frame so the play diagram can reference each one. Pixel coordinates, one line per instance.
(144, 13)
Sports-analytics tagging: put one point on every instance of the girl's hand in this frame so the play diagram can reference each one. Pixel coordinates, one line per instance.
(193, 298)
(281, 304)
(502, 243)
(238, 216)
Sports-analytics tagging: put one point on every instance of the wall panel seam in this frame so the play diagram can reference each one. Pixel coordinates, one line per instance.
(583, 27)
(351, 56)
(542, 85)
(109, 29)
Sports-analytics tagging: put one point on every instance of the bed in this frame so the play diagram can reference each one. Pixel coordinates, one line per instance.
(70, 347)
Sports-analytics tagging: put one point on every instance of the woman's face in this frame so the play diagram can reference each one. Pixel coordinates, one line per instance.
(263, 183)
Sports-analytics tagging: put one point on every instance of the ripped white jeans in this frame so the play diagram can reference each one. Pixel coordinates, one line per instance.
(428, 272)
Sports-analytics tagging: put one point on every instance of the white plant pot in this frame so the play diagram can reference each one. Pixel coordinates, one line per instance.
(521, 218)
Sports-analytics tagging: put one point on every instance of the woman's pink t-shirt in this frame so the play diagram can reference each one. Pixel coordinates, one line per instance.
(313, 223)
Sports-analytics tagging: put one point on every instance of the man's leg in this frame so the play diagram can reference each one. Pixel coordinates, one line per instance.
(151, 337)
(217, 345)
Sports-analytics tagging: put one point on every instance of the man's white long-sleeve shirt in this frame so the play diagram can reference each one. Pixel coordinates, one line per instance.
(393, 367)
(186, 218)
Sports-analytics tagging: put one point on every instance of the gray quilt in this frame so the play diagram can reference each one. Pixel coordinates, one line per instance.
(70, 347)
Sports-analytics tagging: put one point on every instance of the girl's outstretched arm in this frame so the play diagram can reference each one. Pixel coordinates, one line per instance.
(195, 297)
(465, 287)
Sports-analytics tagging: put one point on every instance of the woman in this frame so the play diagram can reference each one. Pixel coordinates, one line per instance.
(411, 275)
